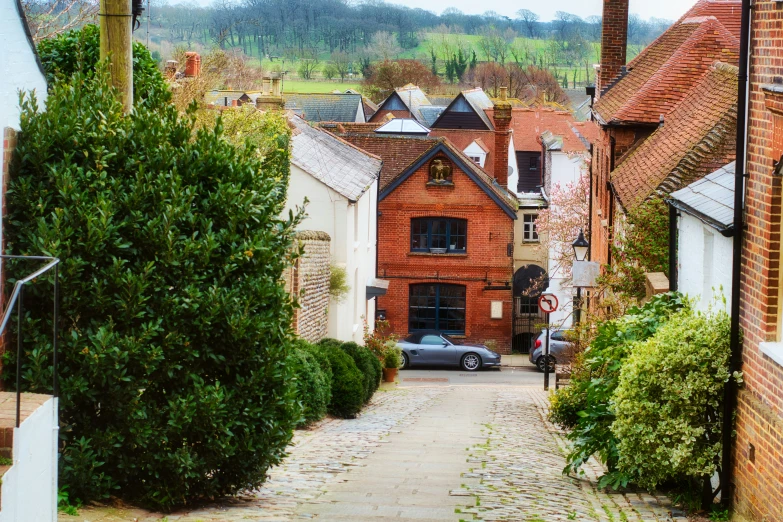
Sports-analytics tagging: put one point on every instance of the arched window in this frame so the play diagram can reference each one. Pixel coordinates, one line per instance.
(437, 307)
(441, 235)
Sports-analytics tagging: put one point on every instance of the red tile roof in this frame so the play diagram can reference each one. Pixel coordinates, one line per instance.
(669, 68)
(696, 139)
(462, 138)
(528, 125)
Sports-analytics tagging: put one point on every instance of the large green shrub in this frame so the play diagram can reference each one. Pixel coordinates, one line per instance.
(595, 380)
(313, 384)
(174, 328)
(368, 364)
(347, 383)
(668, 400)
(79, 50)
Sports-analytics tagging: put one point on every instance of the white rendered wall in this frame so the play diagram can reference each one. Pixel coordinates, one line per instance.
(352, 227)
(703, 262)
(29, 489)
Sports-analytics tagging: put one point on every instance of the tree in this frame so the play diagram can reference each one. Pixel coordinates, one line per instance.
(308, 65)
(529, 22)
(48, 18)
(389, 75)
(341, 63)
(174, 330)
(384, 46)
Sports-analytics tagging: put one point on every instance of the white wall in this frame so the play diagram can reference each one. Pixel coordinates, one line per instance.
(352, 227)
(29, 489)
(703, 262)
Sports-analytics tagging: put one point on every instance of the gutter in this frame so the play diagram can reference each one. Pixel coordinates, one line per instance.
(735, 341)
(673, 246)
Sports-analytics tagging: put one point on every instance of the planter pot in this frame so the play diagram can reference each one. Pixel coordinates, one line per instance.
(389, 374)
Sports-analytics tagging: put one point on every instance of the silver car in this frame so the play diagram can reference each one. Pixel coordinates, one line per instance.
(434, 348)
(558, 343)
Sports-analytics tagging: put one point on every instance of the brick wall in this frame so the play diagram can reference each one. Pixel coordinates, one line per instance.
(309, 280)
(614, 41)
(758, 488)
(489, 230)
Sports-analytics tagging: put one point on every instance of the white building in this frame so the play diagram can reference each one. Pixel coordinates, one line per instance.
(340, 184)
(705, 238)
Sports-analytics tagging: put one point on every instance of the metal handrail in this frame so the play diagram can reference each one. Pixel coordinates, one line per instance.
(17, 296)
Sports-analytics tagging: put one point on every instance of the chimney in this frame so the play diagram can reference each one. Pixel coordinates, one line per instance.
(192, 64)
(502, 119)
(271, 97)
(171, 68)
(614, 42)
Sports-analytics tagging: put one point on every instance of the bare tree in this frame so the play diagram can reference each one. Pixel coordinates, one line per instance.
(47, 18)
(341, 63)
(384, 45)
(529, 22)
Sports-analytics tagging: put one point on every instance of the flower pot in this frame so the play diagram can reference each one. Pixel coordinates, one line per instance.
(389, 374)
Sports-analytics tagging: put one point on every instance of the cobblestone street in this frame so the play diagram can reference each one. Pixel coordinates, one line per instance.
(428, 450)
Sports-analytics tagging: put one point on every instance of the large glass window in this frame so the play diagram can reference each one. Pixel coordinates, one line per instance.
(443, 235)
(437, 307)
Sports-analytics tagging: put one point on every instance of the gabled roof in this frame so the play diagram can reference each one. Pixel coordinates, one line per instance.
(711, 199)
(411, 97)
(728, 13)
(498, 194)
(696, 138)
(225, 97)
(431, 114)
(336, 163)
(462, 138)
(402, 126)
(476, 99)
(664, 72)
(529, 124)
(325, 107)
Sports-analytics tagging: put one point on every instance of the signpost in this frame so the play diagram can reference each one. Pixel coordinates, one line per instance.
(547, 303)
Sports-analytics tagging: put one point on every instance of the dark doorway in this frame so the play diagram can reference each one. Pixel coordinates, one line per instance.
(529, 282)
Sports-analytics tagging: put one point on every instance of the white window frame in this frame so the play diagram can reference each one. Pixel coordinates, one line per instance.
(529, 229)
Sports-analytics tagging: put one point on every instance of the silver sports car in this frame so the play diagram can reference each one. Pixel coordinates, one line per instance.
(434, 348)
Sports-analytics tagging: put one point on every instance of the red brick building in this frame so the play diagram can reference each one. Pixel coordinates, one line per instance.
(758, 450)
(662, 84)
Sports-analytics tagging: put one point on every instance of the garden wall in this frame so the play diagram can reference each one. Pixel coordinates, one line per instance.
(309, 280)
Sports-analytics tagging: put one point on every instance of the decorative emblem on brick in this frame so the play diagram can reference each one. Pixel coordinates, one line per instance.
(440, 172)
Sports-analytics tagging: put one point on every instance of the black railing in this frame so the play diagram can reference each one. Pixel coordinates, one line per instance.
(17, 297)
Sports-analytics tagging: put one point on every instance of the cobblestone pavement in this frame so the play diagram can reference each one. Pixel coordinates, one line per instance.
(508, 468)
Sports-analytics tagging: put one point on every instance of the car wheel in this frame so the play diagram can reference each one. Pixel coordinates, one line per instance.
(541, 364)
(471, 362)
(403, 361)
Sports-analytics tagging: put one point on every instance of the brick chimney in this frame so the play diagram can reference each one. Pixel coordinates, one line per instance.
(271, 97)
(614, 42)
(502, 119)
(192, 64)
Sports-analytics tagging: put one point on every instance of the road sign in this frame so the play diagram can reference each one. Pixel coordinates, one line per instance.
(548, 303)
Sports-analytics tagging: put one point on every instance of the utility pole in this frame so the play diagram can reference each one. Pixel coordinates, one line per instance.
(115, 24)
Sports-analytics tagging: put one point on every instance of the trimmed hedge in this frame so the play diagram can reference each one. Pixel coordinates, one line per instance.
(313, 383)
(368, 364)
(347, 384)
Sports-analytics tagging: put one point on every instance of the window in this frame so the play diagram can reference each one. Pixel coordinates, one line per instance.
(475, 159)
(443, 235)
(437, 307)
(530, 233)
(533, 162)
(432, 340)
(527, 305)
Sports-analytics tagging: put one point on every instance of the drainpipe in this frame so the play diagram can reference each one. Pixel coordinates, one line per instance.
(672, 247)
(590, 203)
(735, 361)
(610, 216)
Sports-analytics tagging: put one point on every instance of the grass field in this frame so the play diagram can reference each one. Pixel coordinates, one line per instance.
(317, 86)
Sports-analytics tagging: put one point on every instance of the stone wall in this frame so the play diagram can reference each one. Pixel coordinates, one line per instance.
(309, 280)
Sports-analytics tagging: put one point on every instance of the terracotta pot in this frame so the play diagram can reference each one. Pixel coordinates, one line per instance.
(389, 374)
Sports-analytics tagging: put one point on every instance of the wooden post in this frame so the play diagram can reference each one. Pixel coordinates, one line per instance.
(116, 44)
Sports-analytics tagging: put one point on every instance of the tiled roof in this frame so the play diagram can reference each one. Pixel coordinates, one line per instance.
(529, 124)
(726, 11)
(480, 102)
(324, 107)
(414, 98)
(710, 199)
(370, 108)
(663, 74)
(696, 138)
(430, 114)
(346, 127)
(225, 97)
(462, 138)
(336, 163)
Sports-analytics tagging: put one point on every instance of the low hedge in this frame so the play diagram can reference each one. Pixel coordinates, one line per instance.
(347, 383)
(368, 364)
(313, 381)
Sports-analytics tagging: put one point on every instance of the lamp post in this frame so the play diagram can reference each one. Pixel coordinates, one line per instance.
(581, 250)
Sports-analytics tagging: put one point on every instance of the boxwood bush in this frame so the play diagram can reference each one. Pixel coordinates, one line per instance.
(313, 384)
(175, 330)
(347, 383)
(368, 364)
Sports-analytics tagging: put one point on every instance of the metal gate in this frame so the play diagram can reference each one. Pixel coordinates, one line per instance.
(528, 321)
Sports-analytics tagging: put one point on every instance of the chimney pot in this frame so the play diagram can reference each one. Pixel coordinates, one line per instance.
(192, 64)
(614, 42)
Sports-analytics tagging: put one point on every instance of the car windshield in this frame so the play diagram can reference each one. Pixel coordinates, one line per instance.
(450, 339)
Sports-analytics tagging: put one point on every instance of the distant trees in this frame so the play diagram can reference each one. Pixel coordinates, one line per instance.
(48, 18)
(388, 75)
(529, 21)
(529, 84)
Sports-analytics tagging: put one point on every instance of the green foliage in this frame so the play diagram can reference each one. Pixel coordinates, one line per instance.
(347, 383)
(668, 400)
(642, 247)
(313, 384)
(392, 357)
(380, 339)
(595, 379)
(78, 50)
(64, 504)
(368, 364)
(338, 283)
(175, 330)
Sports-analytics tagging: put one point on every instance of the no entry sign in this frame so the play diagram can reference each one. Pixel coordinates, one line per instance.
(548, 303)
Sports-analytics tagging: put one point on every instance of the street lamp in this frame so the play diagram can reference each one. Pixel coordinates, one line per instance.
(581, 247)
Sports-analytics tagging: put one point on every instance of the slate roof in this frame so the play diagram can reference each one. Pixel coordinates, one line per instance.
(529, 124)
(696, 138)
(225, 97)
(414, 98)
(670, 67)
(318, 107)
(431, 114)
(711, 199)
(339, 165)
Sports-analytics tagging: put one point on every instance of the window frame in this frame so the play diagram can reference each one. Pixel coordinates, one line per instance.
(534, 163)
(530, 236)
(438, 308)
(451, 230)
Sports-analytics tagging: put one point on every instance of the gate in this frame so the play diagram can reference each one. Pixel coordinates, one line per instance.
(528, 320)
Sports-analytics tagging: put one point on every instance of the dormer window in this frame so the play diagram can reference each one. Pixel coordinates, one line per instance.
(477, 152)
(476, 160)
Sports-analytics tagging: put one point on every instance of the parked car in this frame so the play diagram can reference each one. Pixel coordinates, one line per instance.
(434, 348)
(558, 343)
